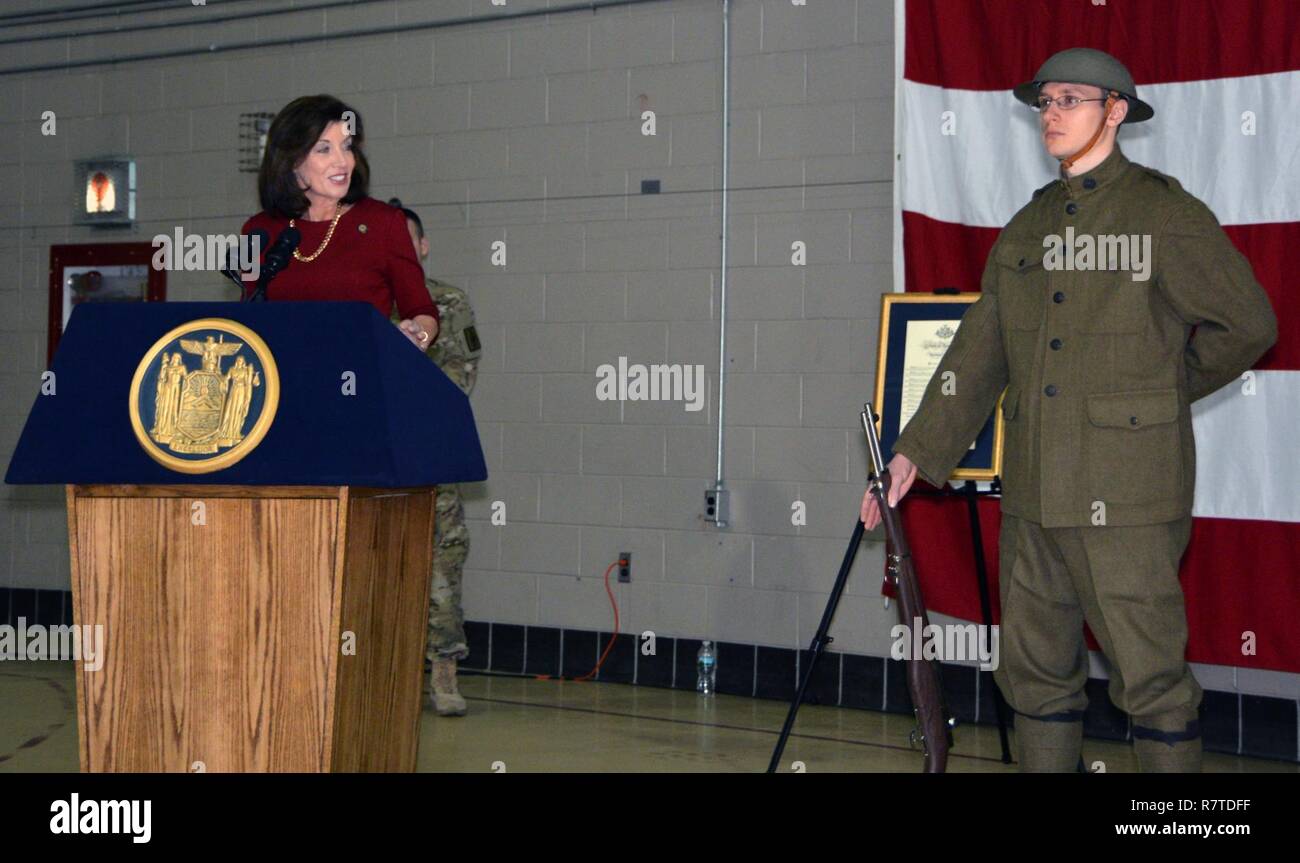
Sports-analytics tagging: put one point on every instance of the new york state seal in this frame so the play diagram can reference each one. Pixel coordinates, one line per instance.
(204, 395)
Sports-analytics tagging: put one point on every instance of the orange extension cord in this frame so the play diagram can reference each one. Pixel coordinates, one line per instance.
(599, 662)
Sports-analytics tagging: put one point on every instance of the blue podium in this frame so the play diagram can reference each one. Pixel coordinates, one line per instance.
(250, 497)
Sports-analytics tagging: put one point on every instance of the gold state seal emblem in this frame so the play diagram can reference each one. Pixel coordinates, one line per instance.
(205, 417)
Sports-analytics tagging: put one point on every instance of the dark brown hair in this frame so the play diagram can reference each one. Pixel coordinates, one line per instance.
(294, 131)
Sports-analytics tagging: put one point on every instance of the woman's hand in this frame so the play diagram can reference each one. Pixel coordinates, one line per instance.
(902, 473)
(422, 330)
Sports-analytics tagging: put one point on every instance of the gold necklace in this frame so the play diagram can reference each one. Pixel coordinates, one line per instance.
(338, 214)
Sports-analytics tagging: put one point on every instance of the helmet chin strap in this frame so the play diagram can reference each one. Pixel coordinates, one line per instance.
(1069, 161)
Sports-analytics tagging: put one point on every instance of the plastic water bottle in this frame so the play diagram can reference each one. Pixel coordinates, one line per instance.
(706, 663)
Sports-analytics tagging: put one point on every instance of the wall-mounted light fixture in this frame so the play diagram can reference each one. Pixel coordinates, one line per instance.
(105, 192)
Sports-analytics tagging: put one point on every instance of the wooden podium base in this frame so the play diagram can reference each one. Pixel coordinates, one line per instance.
(251, 628)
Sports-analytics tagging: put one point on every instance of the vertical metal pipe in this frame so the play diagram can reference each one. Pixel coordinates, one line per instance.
(722, 282)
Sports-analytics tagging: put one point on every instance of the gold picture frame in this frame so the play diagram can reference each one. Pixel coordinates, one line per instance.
(890, 365)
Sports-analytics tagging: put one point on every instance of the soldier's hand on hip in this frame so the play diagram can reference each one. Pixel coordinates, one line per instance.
(902, 474)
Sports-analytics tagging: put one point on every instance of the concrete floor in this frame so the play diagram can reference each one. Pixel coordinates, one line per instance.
(524, 725)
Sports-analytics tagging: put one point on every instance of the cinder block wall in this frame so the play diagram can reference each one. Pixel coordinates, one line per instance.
(529, 131)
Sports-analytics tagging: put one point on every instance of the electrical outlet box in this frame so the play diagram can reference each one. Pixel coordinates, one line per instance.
(716, 509)
(625, 566)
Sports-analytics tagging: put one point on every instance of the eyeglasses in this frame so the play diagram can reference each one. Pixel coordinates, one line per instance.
(1065, 103)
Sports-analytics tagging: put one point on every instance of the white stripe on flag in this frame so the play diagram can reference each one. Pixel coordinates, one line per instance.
(989, 168)
(1246, 462)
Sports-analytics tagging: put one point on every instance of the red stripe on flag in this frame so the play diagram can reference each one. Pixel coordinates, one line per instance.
(982, 44)
(940, 254)
(1229, 574)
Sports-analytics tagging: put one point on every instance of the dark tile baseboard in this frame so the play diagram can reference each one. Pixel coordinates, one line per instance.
(1232, 723)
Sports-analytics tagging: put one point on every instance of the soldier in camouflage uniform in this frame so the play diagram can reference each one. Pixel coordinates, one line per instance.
(456, 351)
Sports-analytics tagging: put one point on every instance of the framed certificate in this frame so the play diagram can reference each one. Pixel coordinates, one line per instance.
(915, 332)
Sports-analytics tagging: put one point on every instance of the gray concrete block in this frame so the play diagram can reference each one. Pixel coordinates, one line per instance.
(466, 155)
(765, 293)
(845, 290)
(695, 242)
(501, 297)
(507, 397)
(850, 73)
(697, 342)
(697, 33)
(834, 401)
(601, 547)
(709, 557)
(515, 495)
(873, 237)
(584, 97)
(685, 193)
(545, 248)
(640, 342)
(555, 46)
(822, 24)
(401, 160)
(581, 500)
(684, 295)
(466, 250)
(623, 246)
(502, 597)
(539, 547)
(825, 237)
(664, 502)
(540, 447)
(506, 200)
(427, 110)
(620, 144)
(803, 346)
(800, 454)
(620, 40)
(678, 88)
(795, 131)
(586, 296)
(873, 125)
(621, 450)
(693, 452)
(543, 347)
(75, 95)
(761, 80)
(762, 507)
(508, 103)
(572, 399)
(766, 186)
(581, 196)
(578, 603)
(762, 399)
(664, 609)
(753, 616)
(832, 507)
(158, 132)
(876, 22)
(461, 54)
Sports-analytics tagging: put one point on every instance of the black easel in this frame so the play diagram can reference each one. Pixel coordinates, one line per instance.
(971, 493)
(819, 642)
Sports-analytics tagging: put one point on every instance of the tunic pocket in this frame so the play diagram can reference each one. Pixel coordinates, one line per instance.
(1132, 446)
(1022, 285)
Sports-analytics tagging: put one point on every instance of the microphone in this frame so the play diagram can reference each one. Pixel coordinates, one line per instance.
(257, 240)
(277, 258)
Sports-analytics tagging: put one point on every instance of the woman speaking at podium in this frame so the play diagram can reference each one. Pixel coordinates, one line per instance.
(314, 177)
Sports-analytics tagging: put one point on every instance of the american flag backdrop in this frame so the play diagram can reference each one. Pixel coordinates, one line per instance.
(1224, 79)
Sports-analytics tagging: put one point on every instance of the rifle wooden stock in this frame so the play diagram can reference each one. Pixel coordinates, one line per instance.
(923, 681)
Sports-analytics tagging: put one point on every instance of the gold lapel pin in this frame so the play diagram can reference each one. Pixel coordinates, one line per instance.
(361, 228)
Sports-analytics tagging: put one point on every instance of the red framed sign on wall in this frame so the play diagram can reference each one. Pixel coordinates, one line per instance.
(100, 273)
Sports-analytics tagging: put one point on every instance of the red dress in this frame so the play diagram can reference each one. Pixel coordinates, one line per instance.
(369, 258)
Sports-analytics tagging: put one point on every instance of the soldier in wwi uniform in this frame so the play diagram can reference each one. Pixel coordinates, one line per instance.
(456, 351)
(1099, 461)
